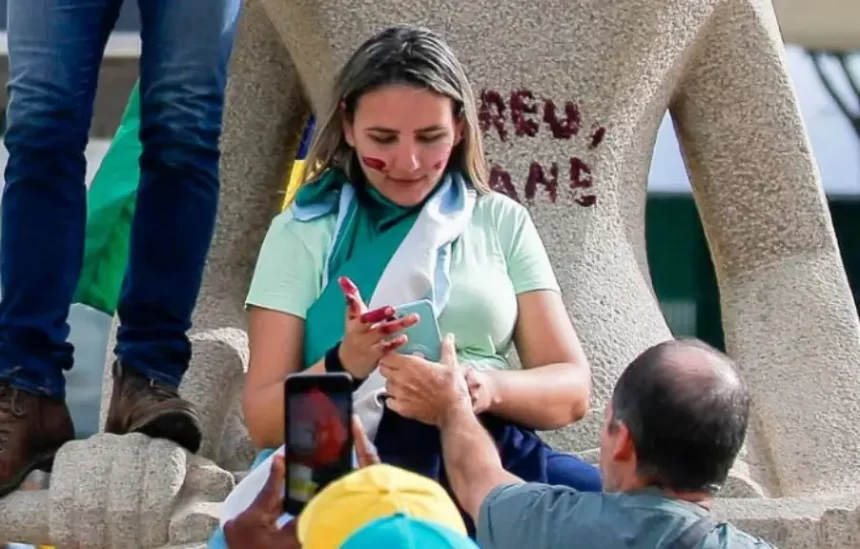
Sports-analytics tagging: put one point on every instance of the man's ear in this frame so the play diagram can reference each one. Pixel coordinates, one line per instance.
(623, 449)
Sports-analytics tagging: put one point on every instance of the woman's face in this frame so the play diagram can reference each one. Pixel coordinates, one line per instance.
(403, 137)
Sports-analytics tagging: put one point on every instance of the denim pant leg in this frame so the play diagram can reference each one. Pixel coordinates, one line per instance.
(55, 50)
(186, 47)
(567, 470)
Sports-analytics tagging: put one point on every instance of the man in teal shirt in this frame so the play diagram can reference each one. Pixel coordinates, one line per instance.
(676, 421)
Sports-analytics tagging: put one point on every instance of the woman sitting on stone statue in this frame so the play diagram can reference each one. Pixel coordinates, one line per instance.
(396, 207)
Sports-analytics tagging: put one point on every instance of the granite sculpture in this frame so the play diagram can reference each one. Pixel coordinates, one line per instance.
(571, 97)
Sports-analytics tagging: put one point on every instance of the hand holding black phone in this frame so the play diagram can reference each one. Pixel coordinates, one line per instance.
(318, 438)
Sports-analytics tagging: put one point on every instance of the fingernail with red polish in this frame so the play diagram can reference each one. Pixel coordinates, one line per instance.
(347, 285)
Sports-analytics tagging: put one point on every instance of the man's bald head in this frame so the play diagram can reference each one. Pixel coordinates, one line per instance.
(687, 410)
(695, 364)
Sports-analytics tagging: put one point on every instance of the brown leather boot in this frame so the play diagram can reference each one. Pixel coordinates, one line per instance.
(32, 429)
(139, 405)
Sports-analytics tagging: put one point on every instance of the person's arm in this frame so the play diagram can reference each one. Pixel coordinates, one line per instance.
(553, 388)
(286, 282)
(471, 458)
(275, 339)
(507, 511)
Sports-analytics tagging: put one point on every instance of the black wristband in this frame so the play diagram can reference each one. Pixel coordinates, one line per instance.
(333, 365)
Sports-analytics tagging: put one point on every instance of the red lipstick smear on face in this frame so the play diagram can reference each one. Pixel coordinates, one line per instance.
(373, 163)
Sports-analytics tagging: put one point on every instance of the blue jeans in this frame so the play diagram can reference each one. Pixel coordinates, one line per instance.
(55, 51)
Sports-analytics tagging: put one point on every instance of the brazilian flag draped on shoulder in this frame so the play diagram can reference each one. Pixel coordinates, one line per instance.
(110, 209)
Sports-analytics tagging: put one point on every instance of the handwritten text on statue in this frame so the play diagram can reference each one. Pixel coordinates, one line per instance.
(523, 114)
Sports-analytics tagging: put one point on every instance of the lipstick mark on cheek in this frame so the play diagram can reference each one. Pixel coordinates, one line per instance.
(442, 162)
(373, 163)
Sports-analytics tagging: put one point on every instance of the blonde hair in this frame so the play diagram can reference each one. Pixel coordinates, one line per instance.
(407, 55)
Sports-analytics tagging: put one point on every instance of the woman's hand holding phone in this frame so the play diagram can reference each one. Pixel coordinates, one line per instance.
(366, 337)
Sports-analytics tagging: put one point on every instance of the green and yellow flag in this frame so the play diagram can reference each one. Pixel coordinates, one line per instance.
(297, 169)
(110, 209)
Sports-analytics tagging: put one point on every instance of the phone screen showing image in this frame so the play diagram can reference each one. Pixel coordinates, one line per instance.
(318, 435)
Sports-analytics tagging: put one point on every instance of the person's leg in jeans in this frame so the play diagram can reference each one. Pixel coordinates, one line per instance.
(182, 81)
(567, 470)
(55, 50)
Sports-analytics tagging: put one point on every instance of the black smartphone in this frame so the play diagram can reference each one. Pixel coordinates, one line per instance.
(318, 438)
